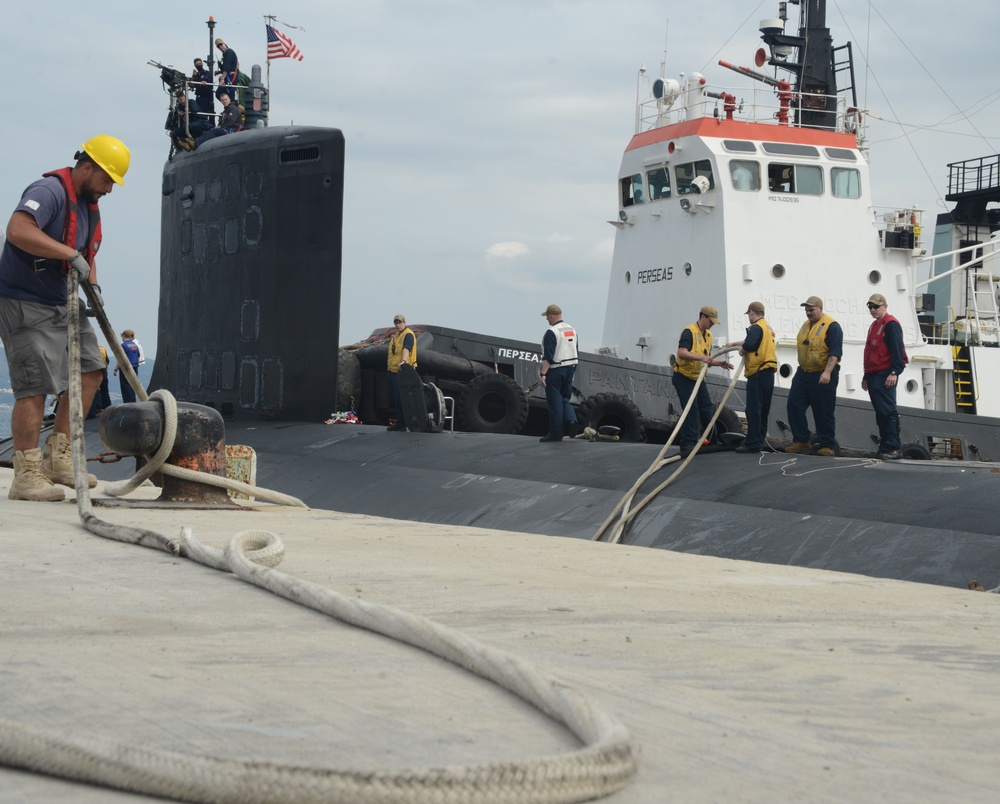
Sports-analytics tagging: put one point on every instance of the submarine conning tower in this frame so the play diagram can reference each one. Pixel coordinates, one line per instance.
(250, 267)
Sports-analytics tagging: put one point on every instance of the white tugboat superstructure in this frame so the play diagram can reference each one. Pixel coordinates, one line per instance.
(729, 195)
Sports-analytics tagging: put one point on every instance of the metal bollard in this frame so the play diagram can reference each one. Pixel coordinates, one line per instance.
(136, 428)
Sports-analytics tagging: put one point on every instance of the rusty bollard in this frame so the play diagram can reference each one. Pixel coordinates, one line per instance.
(136, 428)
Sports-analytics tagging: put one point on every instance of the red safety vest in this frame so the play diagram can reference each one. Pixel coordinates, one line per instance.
(65, 177)
(877, 356)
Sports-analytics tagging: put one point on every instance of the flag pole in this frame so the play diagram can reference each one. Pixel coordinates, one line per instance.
(270, 19)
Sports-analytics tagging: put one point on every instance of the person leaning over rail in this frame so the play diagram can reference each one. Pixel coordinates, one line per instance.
(820, 345)
(402, 349)
(230, 121)
(885, 358)
(693, 349)
(758, 347)
(56, 228)
(560, 356)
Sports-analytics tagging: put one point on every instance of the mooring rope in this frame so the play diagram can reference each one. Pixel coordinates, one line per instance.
(606, 763)
(623, 513)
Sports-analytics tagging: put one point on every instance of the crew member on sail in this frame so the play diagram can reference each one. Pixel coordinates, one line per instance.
(402, 349)
(885, 358)
(695, 348)
(821, 345)
(55, 229)
(761, 363)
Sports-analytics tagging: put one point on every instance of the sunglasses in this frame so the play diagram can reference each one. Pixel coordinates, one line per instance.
(874, 306)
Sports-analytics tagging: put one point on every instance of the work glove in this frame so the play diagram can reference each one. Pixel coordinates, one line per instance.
(79, 262)
(99, 299)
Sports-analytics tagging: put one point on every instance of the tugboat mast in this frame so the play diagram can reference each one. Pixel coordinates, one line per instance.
(816, 68)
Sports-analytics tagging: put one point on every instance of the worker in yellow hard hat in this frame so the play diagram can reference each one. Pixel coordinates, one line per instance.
(56, 228)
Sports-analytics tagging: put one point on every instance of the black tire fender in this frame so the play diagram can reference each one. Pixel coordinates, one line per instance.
(492, 403)
(915, 452)
(611, 409)
(729, 422)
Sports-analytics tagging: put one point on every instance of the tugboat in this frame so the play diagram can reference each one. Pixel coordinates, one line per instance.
(759, 192)
(726, 195)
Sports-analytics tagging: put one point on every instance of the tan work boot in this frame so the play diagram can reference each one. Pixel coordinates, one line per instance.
(29, 482)
(57, 462)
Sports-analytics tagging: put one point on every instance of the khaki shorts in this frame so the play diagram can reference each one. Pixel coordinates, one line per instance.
(35, 339)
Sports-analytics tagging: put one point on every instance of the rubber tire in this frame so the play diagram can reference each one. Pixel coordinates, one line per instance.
(729, 422)
(348, 381)
(916, 452)
(492, 403)
(619, 411)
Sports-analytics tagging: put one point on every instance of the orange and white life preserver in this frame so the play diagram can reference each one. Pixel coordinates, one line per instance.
(852, 120)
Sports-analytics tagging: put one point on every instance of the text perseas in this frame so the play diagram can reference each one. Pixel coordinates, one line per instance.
(655, 275)
(516, 354)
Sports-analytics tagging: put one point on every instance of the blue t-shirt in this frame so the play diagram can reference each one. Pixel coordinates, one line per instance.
(45, 200)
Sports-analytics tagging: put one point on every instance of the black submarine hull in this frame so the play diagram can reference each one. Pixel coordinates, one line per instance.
(925, 521)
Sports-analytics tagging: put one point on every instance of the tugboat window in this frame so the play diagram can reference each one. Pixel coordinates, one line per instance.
(659, 183)
(790, 149)
(801, 179)
(841, 153)
(739, 145)
(845, 182)
(745, 174)
(632, 190)
(689, 170)
(809, 179)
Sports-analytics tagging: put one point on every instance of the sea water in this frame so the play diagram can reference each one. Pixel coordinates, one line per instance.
(6, 403)
(7, 396)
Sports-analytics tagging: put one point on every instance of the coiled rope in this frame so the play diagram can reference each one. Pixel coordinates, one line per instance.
(623, 513)
(606, 763)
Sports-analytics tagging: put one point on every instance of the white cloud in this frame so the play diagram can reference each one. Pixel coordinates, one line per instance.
(510, 250)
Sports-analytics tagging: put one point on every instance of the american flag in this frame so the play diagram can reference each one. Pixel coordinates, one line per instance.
(280, 46)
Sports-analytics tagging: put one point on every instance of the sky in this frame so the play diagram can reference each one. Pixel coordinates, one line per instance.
(483, 139)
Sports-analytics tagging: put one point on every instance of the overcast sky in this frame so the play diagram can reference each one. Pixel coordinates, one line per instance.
(483, 139)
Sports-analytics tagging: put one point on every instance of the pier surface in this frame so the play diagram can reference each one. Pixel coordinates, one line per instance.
(740, 681)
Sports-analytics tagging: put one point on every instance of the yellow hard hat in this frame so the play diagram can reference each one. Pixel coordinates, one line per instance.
(110, 153)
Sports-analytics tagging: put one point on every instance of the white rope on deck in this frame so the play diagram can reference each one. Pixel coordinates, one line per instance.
(623, 512)
(606, 763)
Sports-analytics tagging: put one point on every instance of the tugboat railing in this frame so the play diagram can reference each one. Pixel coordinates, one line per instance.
(982, 312)
(755, 105)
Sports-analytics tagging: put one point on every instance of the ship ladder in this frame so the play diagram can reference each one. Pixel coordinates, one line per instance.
(965, 394)
(985, 308)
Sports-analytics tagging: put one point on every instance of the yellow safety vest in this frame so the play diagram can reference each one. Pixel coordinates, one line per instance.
(813, 351)
(396, 350)
(766, 356)
(701, 344)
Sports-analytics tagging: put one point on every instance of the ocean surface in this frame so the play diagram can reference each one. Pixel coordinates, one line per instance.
(7, 396)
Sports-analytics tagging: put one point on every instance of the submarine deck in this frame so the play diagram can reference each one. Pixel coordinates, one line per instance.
(926, 521)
